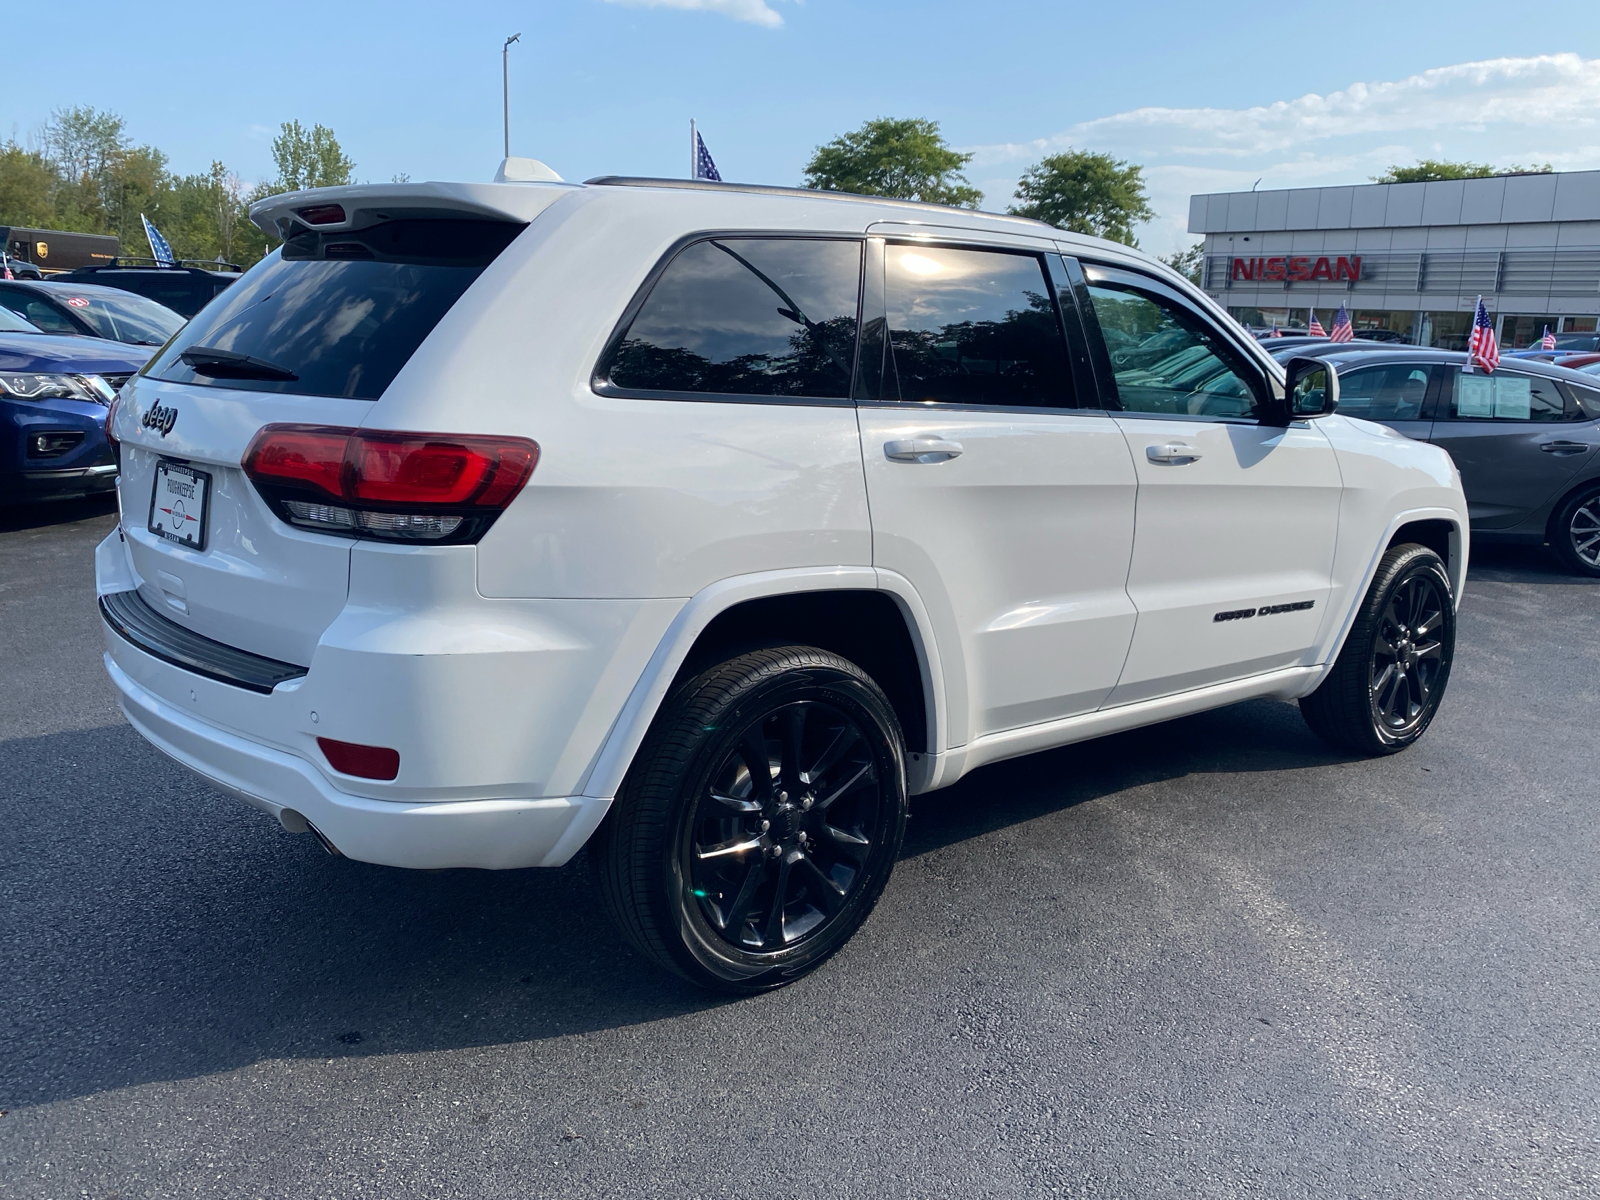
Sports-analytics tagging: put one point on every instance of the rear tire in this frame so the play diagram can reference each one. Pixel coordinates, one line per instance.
(760, 821)
(1576, 532)
(1389, 678)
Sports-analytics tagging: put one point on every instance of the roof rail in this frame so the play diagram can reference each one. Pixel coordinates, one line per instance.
(124, 262)
(768, 189)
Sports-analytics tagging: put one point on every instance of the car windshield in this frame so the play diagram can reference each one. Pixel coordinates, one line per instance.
(11, 323)
(126, 317)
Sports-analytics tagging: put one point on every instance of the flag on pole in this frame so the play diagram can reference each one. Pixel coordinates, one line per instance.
(1342, 332)
(1276, 332)
(1548, 341)
(1315, 329)
(704, 168)
(5, 261)
(159, 250)
(1482, 350)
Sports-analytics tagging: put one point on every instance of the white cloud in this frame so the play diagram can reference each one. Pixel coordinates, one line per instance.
(755, 11)
(1501, 111)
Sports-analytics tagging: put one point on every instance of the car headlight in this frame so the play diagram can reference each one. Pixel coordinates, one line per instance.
(29, 386)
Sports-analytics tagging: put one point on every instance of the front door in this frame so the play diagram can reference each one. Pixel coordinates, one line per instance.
(1516, 440)
(1010, 510)
(1233, 547)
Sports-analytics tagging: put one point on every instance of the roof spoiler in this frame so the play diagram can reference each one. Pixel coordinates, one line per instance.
(361, 205)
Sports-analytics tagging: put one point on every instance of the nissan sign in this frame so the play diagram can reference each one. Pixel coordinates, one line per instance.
(1300, 269)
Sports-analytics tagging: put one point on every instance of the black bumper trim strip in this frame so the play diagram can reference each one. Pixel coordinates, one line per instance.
(133, 620)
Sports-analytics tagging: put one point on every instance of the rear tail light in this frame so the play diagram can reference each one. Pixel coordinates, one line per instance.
(322, 214)
(408, 487)
(366, 762)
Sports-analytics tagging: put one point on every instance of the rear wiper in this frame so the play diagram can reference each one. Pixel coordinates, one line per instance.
(229, 364)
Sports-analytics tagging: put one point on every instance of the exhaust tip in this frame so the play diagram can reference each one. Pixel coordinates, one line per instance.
(322, 840)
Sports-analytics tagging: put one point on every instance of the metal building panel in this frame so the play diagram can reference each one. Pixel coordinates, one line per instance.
(1241, 211)
(1333, 210)
(1367, 205)
(1577, 196)
(1529, 198)
(1578, 233)
(1486, 237)
(1405, 204)
(1197, 214)
(1541, 235)
(1374, 239)
(1302, 208)
(1482, 200)
(1450, 237)
(1441, 202)
(1272, 210)
(1309, 241)
(1411, 238)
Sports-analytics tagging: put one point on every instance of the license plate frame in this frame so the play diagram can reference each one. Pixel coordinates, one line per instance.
(193, 485)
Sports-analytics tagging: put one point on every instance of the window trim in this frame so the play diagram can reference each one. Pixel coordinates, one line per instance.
(600, 384)
(1271, 410)
(1041, 255)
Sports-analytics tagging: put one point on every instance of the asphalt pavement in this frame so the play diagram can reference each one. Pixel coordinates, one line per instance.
(1207, 959)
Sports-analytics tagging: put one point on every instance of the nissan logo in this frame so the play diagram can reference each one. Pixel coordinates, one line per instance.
(160, 417)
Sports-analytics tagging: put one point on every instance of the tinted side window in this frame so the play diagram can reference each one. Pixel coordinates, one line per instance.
(746, 316)
(973, 327)
(1505, 396)
(1392, 393)
(1167, 359)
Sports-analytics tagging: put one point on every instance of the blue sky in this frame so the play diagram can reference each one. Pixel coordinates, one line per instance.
(1208, 97)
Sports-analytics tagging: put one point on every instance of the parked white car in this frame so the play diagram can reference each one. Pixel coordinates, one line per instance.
(702, 524)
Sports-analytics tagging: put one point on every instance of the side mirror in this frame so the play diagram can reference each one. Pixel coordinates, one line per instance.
(1312, 388)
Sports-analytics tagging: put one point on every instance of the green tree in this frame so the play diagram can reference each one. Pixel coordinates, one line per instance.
(27, 187)
(1085, 193)
(1429, 170)
(1187, 263)
(308, 158)
(902, 159)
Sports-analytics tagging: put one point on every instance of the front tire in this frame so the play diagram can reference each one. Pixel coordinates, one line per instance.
(1387, 682)
(1576, 534)
(759, 822)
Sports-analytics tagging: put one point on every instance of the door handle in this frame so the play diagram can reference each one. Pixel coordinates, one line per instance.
(1172, 452)
(1563, 447)
(922, 450)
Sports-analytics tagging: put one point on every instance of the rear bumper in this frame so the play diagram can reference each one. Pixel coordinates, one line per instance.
(493, 834)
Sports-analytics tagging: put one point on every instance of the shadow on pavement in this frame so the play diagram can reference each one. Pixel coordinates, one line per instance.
(157, 930)
(1520, 564)
(18, 517)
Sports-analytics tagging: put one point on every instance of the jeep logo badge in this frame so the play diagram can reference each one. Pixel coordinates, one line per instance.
(160, 418)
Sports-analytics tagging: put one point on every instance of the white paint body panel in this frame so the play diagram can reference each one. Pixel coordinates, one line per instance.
(1053, 583)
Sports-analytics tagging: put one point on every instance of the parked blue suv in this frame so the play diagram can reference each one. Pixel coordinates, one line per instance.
(54, 392)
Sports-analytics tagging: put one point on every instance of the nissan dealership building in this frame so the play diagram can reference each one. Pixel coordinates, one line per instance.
(1412, 258)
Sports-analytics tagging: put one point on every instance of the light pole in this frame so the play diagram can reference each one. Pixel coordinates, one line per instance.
(505, 85)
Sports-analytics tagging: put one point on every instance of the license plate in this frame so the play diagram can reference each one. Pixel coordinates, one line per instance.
(178, 505)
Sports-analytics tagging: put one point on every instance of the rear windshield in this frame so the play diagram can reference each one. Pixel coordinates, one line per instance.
(339, 312)
(127, 317)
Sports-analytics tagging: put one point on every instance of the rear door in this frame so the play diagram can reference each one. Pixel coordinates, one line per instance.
(1233, 548)
(1009, 508)
(315, 333)
(1516, 438)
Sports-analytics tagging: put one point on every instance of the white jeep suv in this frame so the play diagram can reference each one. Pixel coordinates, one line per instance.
(702, 524)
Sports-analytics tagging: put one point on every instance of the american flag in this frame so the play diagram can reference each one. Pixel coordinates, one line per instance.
(1482, 350)
(704, 168)
(159, 250)
(1315, 329)
(1341, 327)
(1276, 332)
(1548, 341)
(5, 261)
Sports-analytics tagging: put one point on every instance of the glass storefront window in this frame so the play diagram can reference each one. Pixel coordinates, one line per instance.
(1578, 325)
(1393, 325)
(1522, 332)
(1446, 330)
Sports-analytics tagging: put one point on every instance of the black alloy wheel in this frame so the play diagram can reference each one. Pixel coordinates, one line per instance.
(1577, 533)
(1386, 685)
(760, 820)
(775, 843)
(1407, 654)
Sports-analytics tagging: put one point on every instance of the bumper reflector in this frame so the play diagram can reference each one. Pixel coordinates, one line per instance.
(365, 762)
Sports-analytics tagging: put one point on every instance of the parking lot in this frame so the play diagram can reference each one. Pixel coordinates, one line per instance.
(1208, 958)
